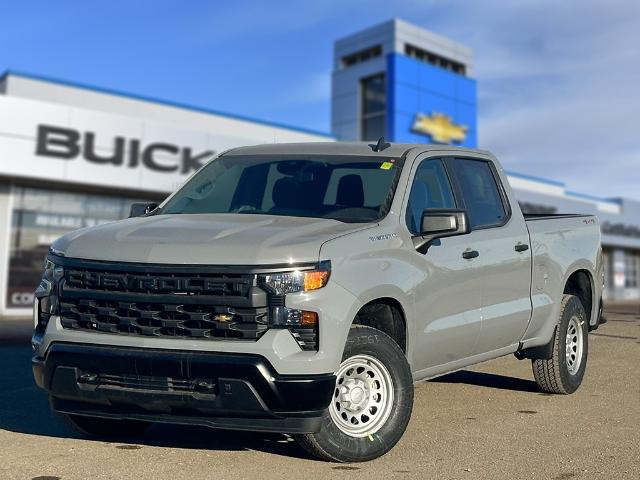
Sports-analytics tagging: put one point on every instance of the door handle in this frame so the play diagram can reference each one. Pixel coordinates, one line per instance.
(521, 247)
(469, 254)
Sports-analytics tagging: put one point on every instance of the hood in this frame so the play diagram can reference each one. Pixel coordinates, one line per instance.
(213, 239)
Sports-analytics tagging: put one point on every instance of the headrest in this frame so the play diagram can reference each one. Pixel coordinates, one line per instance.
(350, 192)
(285, 193)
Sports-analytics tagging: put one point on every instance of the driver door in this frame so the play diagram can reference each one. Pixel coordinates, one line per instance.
(447, 296)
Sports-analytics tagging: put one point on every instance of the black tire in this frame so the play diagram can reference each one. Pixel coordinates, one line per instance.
(106, 427)
(553, 375)
(331, 443)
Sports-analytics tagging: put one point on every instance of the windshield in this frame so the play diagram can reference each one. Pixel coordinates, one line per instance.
(345, 188)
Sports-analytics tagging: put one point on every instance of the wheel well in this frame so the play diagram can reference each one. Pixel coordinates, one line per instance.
(579, 284)
(386, 315)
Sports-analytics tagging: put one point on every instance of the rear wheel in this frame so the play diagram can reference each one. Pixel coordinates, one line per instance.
(372, 401)
(106, 427)
(564, 371)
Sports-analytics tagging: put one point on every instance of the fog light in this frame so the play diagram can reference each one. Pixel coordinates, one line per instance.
(285, 317)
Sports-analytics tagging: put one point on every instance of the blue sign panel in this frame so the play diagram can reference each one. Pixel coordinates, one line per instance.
(428, 104)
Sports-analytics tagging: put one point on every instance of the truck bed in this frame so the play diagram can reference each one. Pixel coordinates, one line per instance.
(557, 249)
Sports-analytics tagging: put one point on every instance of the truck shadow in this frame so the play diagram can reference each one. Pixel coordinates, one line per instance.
(489, 380)
(25, 409)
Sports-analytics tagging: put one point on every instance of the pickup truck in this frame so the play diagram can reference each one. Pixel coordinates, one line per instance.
(305, 288)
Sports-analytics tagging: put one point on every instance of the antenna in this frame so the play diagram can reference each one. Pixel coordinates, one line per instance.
(381, 145)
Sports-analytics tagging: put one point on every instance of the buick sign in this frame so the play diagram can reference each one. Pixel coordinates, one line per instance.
(69, 144)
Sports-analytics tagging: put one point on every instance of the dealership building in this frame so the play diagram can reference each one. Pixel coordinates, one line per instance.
(73, 156)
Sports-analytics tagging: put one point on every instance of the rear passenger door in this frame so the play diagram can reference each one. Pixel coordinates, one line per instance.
(500, 238)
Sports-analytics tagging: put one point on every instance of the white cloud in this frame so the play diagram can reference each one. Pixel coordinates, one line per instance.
(558, 88)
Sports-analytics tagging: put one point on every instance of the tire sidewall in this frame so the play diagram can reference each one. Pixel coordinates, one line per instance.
(339, 445)
(573, 308)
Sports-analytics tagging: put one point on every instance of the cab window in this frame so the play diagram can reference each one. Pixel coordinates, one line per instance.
(479, 192)
(430, 190)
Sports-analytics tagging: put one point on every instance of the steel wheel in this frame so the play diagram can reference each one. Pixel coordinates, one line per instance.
(363, 396)
(574, 345)
(371, 404)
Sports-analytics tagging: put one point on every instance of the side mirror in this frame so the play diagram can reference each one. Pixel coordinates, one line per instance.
(438, 223)
(139, 209)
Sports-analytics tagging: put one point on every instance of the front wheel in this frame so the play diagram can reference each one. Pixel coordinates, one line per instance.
(564, 371)
(372, 401)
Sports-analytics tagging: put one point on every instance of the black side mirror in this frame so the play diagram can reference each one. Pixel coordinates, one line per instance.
(139, 209)
(437, 223)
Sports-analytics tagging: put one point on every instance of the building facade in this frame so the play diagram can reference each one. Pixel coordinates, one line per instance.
(404, 83)
(407, 84)
(73, 156)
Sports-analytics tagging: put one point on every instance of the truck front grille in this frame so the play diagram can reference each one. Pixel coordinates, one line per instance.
(157, 303)
(163, 320)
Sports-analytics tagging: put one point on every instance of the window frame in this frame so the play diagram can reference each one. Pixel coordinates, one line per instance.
(413, 179)
(457, 190)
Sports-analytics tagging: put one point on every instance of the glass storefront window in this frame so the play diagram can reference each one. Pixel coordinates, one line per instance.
(373, 105)
(38, 217)
(631, 269)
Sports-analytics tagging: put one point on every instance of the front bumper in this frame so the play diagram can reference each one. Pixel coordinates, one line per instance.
(220, 390)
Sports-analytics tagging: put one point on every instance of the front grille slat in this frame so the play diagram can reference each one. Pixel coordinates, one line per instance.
(168, 298)
(307, 338)
(200, 306)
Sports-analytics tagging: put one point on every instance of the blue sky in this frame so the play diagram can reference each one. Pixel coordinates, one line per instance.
(558, 81)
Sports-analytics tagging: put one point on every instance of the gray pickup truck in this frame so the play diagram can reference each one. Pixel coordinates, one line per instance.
(304, 288)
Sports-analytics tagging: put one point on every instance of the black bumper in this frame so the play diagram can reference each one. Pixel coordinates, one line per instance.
(220, 390)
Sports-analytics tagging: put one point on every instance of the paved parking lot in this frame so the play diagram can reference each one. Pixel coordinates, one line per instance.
(485, 422)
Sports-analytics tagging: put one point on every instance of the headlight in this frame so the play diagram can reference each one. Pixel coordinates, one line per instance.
(46, 295)
(302, 324)
(52, 271)
(298, 281)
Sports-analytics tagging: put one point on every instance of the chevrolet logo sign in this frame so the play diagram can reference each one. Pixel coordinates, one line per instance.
(439, 127)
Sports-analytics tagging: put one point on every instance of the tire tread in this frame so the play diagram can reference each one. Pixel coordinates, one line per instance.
(547, 371)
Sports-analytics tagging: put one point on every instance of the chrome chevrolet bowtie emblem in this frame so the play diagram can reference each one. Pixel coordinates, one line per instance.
(439, 127)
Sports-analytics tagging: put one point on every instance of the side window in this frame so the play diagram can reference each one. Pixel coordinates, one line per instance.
(479, 191)
(430, 189)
